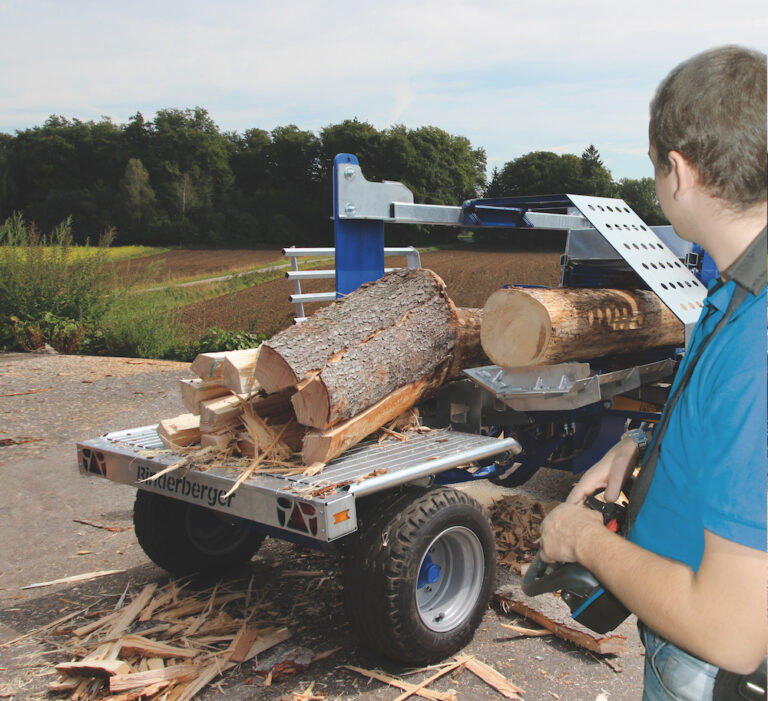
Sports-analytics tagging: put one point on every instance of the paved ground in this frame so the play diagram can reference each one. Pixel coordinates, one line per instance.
(60, 399)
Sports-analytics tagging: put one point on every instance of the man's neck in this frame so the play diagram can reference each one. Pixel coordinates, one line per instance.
(725, 234)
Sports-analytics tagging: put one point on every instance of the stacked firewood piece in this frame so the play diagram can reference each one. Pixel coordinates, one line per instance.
(228, 410)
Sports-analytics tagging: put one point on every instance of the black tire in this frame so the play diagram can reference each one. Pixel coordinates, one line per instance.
(392, 610)
(185, 538)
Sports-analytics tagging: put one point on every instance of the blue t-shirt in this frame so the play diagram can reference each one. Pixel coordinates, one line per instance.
(711, 472)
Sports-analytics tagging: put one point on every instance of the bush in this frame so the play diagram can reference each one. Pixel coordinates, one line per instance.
(215, 339)
(48, 289)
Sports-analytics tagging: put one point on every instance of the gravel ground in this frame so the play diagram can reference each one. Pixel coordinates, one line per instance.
(52, 401)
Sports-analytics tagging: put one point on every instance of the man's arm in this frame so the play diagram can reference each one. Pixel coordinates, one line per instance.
(717, 613)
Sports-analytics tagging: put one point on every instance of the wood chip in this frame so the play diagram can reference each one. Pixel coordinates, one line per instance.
(74, 578)
(493, 678)
(139, 680)
(400, 684)
(130, 612)
(527, 632)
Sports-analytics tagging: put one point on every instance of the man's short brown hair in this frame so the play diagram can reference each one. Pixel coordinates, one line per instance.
(712, 109)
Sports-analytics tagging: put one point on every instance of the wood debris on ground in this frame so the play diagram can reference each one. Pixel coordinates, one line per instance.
(166, 643)
(19, 440)
(552, 613)
(517, 526)
(483, 671)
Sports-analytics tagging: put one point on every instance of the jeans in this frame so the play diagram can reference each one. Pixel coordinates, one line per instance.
(671, 674)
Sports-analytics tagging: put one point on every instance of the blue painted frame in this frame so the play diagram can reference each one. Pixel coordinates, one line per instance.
(359, 242)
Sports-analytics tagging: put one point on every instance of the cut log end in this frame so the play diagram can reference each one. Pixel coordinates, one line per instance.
(311, 404)
(272, 372)
(516, 329)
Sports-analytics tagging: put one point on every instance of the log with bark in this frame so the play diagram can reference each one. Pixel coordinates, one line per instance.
(382, 337)
(535, 326)
(385, 314)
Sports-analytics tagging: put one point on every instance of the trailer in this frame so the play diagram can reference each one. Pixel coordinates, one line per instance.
(419, 557)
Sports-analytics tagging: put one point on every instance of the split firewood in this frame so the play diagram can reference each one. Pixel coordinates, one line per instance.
(238, 371)
(179, 431)
(216, 414)
(196, 391)
(534, 326)
(264, 436)
(220, 440)
(209, 366)
(140, 645)
(323, 446)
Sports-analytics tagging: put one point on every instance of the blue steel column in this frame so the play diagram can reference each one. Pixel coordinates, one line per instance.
(359, 242)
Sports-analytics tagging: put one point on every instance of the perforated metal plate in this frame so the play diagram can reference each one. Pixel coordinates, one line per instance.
(646, 253)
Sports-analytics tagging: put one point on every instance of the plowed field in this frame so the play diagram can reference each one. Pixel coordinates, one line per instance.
(470, 275)
(190, 263)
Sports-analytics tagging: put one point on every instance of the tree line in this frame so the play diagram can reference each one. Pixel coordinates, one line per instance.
(179, 179)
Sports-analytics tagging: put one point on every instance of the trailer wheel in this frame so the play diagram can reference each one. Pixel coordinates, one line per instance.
(418, 578)
(184, 538)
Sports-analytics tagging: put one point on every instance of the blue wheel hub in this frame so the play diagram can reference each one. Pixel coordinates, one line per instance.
(429, 573)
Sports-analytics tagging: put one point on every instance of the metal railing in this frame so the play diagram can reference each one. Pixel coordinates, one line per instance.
(299, 298)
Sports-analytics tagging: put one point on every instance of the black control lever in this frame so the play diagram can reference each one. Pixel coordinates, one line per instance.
(591, 604)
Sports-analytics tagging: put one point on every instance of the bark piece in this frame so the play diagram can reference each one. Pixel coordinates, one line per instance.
(179, 431)
(196, 391)
(332, 332)
(533, 326)
(238, 371)
(554, 615)
(323, 446)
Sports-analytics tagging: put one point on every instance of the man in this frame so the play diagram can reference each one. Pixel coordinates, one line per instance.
(693, 567)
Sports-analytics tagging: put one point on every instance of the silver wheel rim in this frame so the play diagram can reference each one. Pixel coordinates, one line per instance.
(446, 602)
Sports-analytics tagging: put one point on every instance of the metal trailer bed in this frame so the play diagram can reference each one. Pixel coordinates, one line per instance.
(320, 507)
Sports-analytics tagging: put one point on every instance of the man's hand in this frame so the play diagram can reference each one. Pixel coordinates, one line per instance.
(609, 473)
(563, 529)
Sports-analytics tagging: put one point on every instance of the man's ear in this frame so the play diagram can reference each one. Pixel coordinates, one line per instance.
(684, 173)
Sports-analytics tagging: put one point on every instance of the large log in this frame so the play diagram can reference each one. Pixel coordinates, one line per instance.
(335, 331)
(315, 403)
(534, 326)
(347, 357)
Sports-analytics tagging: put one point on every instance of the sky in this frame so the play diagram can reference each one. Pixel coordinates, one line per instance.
(511, 76)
